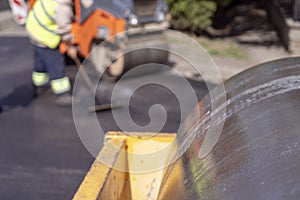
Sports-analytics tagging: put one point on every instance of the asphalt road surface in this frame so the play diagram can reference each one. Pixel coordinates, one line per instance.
(41, 155)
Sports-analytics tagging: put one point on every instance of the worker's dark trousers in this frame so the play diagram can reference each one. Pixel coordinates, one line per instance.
(49, 61)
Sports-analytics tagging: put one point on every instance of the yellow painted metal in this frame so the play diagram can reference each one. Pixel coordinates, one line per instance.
(102, 182)
(147, 158)
(172, 186)
(143, 158)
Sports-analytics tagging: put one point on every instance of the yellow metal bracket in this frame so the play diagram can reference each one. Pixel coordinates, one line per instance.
(129, 166)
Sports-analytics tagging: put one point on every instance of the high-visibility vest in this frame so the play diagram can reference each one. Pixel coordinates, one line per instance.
(41, 24)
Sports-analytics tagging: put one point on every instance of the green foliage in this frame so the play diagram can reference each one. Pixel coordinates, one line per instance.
(223, 3)
(193, 15)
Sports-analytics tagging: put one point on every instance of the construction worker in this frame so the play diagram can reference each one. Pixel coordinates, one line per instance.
(48, 24)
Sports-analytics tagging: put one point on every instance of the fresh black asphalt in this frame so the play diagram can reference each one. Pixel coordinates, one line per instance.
(41, 155)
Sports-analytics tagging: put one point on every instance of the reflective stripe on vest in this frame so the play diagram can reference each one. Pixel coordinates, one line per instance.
(61, 85)
(39, 78)
(41, 25)
(46, 12)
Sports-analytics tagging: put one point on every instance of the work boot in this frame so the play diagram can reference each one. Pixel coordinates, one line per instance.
(37, 91)
(66, 100)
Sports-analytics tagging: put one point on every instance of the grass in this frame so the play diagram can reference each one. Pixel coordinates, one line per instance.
(223, 48)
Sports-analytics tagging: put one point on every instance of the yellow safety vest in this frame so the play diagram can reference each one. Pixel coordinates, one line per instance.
(41, 24)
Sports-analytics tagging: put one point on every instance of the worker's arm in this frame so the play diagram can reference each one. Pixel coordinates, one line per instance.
(63, 18)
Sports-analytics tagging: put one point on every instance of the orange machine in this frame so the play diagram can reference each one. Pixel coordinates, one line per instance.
(98, 21)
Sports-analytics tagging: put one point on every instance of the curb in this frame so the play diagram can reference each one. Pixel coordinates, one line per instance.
(8, 26)
(6, 20)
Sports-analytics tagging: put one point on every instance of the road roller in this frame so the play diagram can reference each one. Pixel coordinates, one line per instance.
(129, 31)
(255, 156)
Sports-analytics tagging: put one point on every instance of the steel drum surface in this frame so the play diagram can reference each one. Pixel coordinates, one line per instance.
(258, 153)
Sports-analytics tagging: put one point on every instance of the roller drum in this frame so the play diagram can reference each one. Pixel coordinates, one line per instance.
(258, 153)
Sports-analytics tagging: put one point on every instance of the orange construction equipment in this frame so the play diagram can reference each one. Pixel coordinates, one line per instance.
(98, 21)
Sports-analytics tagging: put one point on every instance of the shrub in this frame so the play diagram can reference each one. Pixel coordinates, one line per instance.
(194, 15)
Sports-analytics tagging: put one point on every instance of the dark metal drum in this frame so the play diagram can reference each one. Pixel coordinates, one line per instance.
(258, 153)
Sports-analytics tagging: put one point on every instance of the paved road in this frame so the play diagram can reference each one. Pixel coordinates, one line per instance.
(41, 155)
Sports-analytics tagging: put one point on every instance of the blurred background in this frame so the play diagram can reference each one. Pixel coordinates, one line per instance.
(239, 33)
(236, 33)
